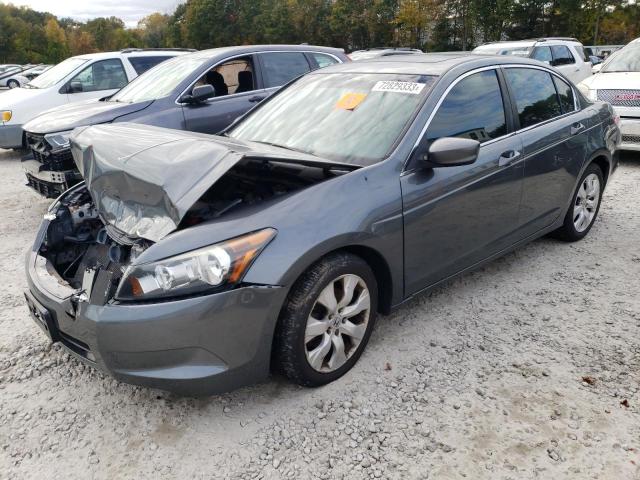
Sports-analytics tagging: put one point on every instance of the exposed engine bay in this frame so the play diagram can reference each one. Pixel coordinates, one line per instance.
(91, 255)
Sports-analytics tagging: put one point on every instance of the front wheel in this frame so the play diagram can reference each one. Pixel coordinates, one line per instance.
(327, 320)
(13, 84)
(584, 206)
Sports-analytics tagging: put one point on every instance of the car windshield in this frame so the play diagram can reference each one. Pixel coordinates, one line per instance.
(160, 80)
(57, 73)
(348, 118)
(625, 60)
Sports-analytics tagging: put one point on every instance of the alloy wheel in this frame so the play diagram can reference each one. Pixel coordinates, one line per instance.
(337, 323)
(586, 204)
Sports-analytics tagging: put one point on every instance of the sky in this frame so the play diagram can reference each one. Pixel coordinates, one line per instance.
(130, 11)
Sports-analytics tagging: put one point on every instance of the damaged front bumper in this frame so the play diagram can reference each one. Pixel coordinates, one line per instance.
(199, 345)
(48, 183)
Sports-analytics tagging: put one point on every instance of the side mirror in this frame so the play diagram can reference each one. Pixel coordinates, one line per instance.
(450, 152)
(200, 94)
(596, 68)
(75, 87)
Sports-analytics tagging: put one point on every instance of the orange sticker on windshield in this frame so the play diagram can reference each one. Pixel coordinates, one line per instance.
(350, 101)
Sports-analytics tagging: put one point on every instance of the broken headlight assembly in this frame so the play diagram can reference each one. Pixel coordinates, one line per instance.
(220, 265)
(59, 140)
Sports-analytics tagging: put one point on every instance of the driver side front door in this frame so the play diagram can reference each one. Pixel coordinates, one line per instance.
(455, 217)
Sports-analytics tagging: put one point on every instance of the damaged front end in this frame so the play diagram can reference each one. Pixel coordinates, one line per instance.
(50, 170)
(80, 256)
(138, 192)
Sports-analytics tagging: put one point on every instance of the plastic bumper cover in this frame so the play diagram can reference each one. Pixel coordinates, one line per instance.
(195, 346)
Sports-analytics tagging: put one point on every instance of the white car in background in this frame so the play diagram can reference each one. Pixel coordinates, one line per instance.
(22, 78)
(80, 78)
(567, 55)
(618, 82)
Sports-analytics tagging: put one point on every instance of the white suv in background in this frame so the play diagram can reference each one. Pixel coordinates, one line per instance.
(567, 55)
(85, 77)
(618, 82)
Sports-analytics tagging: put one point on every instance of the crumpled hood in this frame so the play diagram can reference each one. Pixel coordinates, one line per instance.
(613, 80)
(80, 114)
(144, 179)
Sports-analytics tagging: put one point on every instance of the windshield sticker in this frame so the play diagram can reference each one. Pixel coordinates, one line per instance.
(398, 87)
(349, 101)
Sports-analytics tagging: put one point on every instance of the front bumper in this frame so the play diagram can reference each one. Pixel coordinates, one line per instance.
(10, 136)
(194, 346)
(50, 184)
(629, 128)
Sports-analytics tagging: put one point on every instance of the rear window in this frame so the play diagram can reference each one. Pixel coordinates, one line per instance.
(565, 93)
(562, 55)
(142, 64)
(281, 67)
(535, 95)
(543, 54)
(323, 60)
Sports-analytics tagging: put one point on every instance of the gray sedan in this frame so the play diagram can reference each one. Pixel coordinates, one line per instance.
(198, 263)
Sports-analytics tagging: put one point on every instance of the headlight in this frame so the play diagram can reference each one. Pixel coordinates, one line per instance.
(58, 141)
(6, 115)
(223, 264)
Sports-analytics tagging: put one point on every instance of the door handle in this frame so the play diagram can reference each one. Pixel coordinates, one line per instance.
(508, 157)
(577, 128)
(257, 98)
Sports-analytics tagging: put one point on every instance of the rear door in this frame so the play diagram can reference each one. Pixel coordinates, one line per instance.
(454, 217)
(238, 89)
(552, 131)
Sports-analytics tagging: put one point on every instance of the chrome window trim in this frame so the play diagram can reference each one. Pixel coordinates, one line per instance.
(495, 67)
(444, 96)
(246, 54)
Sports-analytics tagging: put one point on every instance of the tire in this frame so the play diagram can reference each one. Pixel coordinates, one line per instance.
(572, 229)
(299, 354)
(13, 84)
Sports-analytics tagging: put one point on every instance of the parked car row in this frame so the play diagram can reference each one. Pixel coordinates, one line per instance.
(79, 78)
(20, 79)
(294, 196)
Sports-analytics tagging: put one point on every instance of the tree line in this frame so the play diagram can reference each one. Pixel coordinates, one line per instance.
(431, 25)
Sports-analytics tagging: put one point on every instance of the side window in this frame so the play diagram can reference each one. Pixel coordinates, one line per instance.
(472, 109)
(562, 55)
(543, 54)
(281, 67)
(142, 64)
(102, 75)
(323, 60)
(565, 92)
(232, 76)
(535, 95)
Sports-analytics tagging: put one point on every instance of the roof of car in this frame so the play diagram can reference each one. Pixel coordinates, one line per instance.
(133, 52)
(424, 64)
(246, 49)
(529, 42)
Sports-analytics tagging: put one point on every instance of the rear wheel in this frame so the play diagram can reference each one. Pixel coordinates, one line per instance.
(327, 320)
(584, 207)
(13, 84)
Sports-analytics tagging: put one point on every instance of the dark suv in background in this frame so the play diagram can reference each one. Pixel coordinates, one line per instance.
(201, 92)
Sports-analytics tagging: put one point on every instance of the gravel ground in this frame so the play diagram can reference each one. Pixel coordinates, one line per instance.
(527, 368)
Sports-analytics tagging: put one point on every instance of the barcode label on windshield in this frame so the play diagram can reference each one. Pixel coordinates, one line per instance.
(398, 87)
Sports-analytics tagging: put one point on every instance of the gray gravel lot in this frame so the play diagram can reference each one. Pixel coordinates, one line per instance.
(527, 368)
